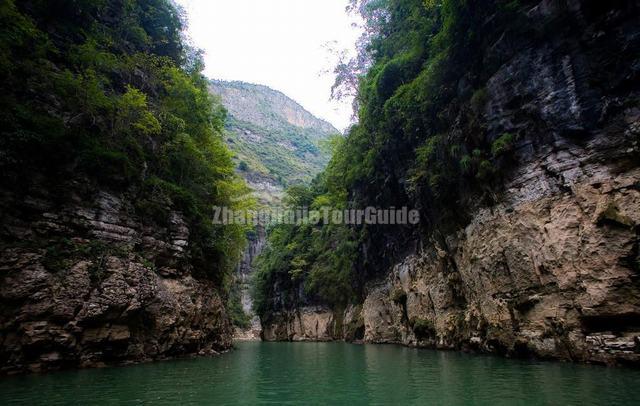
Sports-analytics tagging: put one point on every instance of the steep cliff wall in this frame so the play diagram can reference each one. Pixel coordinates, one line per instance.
(112, 161)
(84, 282)
(550, 267)
(242, 279)
(552, 270)
(277, 143)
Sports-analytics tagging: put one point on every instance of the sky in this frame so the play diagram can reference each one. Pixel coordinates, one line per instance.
(278, 43)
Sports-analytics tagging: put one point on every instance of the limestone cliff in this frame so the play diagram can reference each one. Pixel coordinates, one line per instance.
(552, 270)
(243, 280)
(85, 282)
(551, 267)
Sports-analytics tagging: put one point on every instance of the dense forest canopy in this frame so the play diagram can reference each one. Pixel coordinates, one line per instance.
(109, 91)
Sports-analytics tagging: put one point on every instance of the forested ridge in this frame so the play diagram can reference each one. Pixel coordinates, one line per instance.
(275, 141)
(110, 92)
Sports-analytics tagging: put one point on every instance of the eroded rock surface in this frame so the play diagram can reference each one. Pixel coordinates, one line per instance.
(83, 282)
(551, 267)
(549, 273)
(305, 324)
(242, 278)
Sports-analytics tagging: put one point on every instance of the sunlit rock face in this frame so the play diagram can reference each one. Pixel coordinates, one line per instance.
(552, 267)
(84, 282)
(267, 107)
(546, 272)
(306, 324)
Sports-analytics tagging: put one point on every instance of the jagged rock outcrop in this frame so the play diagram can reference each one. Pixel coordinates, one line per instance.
(84, 282)
(552, 267)
(305, 324)
(315, 323)
(552, 270)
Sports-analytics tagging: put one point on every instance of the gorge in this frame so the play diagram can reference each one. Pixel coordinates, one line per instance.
(277, 144)
(512, 127)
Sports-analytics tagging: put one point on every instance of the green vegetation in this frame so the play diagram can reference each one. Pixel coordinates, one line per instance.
(288, 155)
(421, 142)
(318, 256)
(107, 90)
(502, 144)
(234, 308)
(272, 137)
(423, 329)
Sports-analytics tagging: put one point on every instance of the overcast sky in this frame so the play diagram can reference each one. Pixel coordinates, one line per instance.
(278, 43)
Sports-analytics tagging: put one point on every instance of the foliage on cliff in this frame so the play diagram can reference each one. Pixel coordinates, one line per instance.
(420, 69)
(108, 91)
(314, 256)
(272, 136)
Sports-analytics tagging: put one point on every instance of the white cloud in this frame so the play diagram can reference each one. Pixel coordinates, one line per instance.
(278, 43)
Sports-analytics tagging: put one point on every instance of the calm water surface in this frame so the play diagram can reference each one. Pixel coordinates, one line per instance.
(332, 373)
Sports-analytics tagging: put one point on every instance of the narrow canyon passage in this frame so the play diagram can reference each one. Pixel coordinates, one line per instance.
(320, 202)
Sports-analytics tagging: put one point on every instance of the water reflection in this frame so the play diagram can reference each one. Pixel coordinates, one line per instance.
(332, 373)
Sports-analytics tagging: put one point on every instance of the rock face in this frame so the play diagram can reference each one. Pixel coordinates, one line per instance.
(305, 324)
(242, 279)
(267, 107)
(83, 282)
(316, 323)
(552, 269)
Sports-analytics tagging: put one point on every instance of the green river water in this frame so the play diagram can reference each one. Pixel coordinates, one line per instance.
(332, 373)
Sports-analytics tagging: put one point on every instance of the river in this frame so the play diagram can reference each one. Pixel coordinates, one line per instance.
(332, 373)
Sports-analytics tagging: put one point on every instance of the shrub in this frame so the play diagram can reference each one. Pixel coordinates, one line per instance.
(486, 170)
(502, 144)
(465, 164)
(108, 166)
(423, 329)
(479, 100)
(234, 306)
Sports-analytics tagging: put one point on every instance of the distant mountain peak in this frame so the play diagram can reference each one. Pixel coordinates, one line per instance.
(238, 96)
(276, 141)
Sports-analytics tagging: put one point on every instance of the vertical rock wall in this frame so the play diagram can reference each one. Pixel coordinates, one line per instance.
(552, 267)
(83, 282)
(243, 276)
